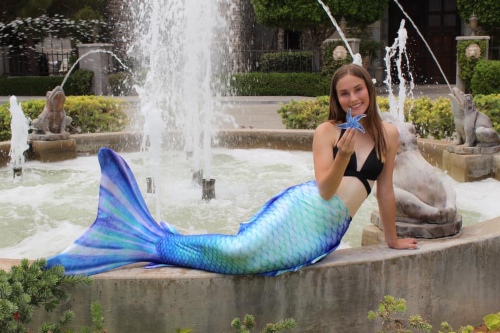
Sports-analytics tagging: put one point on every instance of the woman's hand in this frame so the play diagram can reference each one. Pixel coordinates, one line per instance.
(345, 145)
(406, 243)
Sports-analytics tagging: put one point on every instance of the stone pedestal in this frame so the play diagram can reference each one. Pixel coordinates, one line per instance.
(467, 164)
(374, 233)
(53, 151)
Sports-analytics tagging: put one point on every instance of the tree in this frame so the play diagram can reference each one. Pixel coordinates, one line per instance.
(310, 17)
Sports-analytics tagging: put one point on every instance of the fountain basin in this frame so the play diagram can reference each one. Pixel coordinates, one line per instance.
(461, 167)
(332, 296)
(453, 279)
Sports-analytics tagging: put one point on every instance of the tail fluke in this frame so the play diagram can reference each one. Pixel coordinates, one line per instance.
(124, 231)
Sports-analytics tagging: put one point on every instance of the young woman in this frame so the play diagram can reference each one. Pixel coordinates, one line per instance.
(297, 227)
(347, 162)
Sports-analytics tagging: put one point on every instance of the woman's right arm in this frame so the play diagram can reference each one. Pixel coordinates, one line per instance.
(329, 171)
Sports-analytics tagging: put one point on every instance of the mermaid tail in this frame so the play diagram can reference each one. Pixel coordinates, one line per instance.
(293, 229)
(124, 231)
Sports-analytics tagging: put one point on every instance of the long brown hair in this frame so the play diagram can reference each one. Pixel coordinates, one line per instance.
(372, 122)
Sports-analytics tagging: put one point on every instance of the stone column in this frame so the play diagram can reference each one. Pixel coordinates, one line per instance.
(96, 58)
(459, 83)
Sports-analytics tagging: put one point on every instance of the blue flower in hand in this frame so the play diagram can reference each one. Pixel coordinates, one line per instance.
(352, 122)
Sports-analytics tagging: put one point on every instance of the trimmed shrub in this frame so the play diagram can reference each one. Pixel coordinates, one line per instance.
(280, 84)
(486, 78)
(78, 83)
(431, 118)
(121, 83)
(92, 114)
(286, 61)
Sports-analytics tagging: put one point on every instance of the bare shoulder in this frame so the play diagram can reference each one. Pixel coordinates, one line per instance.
(327, 133)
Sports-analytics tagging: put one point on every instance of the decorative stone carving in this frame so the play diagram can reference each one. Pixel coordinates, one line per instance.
(339, 53)
(473, 128)
(473, 51)
(425, 203)
(52, 122)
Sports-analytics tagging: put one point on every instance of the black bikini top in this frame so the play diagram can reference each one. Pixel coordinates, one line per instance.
(370, 170)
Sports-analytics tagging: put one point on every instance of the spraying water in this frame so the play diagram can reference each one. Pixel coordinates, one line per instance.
(87, 54)
(19, 127)
(398, 51)
(356, 58)
(178, 47)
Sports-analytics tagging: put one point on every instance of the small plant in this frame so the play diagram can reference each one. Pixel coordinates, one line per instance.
(492, 322)
(388, 310)
(248, 324)
(30, 286)
(447, 329)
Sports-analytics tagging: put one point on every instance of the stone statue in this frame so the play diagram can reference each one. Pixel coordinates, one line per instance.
(473, 127)
(52, 122)
(425, 202)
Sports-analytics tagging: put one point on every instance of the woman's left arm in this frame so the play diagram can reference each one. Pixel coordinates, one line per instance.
(385, 194)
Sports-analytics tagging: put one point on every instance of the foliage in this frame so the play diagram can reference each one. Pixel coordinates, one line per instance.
(30, 286)
(305, 114)
(490, 106)
(121, 83)
(302, 15)
(78, 83)
(486, 78)
(248, 324)
(90, 114)
(81, 82)
(286, 61)
(97, 321)
(280, 84)
(492, 321)
(330, 65)
(388, 310)
(487, 11)
(431, 118)
(467, 66)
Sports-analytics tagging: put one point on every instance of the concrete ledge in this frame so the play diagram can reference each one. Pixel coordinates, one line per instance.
(454, 279)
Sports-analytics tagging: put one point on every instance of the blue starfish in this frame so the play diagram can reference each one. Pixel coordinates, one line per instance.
(353, 122)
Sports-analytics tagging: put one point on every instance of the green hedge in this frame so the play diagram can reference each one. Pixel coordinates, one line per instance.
(432, 118)
(486, 78)
(286, 61)
(78, 83)
(92, 114)
(280, 84)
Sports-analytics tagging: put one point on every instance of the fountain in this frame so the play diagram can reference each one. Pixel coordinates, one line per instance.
(19, 127)
(318, 297)
(180, 46)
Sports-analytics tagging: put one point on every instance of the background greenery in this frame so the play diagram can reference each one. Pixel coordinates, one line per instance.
(90, 114)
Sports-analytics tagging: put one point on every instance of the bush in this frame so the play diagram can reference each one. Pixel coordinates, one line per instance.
(286, 61)
(432, 118)
(92, 114)
(79, 83)
(306, 114)
(486, 78)
(280, 84)
(120, 83)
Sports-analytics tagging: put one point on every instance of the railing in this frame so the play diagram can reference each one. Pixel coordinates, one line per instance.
(42, 62)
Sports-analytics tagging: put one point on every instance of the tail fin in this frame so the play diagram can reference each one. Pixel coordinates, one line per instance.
(124, 231)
